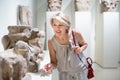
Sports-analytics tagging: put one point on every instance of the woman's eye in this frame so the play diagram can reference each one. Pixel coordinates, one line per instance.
(54, 25)
(58, 25)
(61, 25)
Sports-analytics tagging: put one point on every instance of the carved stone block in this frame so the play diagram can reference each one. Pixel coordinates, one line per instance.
(109, 5)
(82, 5)
(54, 5)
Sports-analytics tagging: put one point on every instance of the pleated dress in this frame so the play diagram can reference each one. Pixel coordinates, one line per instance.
(68, 64)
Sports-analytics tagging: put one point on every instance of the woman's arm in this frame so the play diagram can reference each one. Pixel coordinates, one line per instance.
(53, 59)
(82, 43)
(53, 62)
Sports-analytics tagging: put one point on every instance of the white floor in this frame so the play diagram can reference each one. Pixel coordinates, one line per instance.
(106, 74)
(100, 73)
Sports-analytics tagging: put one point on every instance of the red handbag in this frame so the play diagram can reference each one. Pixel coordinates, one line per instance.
(89, 61)
(90, 69)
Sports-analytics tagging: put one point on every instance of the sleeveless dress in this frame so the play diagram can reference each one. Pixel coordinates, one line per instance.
(68, 64)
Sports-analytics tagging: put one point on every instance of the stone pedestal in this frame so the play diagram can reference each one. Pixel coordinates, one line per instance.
(107, 43)
(83, 23)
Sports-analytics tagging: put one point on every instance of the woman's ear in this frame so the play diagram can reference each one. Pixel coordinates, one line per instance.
(67, 29)
(51, 22)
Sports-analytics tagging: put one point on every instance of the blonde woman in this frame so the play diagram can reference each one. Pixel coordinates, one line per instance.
(61, 50)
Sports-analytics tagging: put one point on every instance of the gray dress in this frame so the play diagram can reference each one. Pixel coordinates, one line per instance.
(68, 64)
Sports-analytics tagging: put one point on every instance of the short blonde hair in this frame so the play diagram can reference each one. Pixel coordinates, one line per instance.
(62, 18)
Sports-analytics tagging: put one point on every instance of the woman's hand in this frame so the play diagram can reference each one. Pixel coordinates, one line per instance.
(77, 49)
(48, 68)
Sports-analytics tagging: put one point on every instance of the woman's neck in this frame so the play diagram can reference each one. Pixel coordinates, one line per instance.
(63, 39)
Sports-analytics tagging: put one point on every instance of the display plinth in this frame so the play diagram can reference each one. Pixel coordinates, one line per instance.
(83, 23)
(107, 57)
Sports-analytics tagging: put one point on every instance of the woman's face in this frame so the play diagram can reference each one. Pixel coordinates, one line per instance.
(59, 28)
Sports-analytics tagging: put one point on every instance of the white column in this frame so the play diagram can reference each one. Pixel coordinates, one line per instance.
(83, 23)
(111, 39)
(107, 40)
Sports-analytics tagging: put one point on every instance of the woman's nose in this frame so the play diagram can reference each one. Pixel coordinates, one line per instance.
(58, 26)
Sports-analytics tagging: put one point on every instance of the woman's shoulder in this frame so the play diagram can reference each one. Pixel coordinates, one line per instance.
(51, 41)
(76, 32)
(51, 44)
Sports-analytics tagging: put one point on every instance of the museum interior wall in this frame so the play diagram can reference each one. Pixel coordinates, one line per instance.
(28, 21)
(39, 9)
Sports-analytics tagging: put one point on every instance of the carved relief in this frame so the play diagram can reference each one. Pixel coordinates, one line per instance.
(82, 5)
(54, 5)
(16, 33)
(23, 52)
(109, 5)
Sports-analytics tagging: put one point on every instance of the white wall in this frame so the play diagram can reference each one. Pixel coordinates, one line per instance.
(41, 13)
(8, 14)
(119, 33)
(98, 34)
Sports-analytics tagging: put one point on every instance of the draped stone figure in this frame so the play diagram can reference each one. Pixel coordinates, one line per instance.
(22, 53)
(25, 15)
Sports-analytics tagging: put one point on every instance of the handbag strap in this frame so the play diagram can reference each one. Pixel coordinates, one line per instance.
(73, 38)
(75, 44)
(89, 60)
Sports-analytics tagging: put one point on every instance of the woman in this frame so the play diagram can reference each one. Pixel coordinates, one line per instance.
(62, 51)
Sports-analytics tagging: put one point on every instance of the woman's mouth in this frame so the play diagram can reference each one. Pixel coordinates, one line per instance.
(58, 31)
